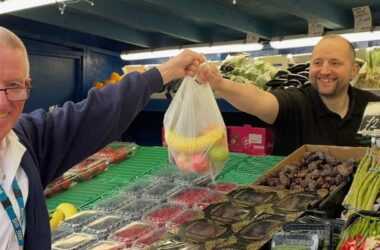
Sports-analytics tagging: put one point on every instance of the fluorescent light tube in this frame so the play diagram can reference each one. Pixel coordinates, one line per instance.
(362, 36)
(150, 54)
(294, 43)
(239, 46)
(297, 41)
(15, 5)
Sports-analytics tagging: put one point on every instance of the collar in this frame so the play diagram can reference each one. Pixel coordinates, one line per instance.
(324, 111)
(11, 152)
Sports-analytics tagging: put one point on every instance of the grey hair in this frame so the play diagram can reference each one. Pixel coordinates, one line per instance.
(11, 40)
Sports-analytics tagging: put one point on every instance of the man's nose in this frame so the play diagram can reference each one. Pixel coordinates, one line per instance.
(325, 69)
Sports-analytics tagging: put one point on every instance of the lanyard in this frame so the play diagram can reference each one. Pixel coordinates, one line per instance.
(11, 213)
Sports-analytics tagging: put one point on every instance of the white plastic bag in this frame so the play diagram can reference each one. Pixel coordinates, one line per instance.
(195, 131)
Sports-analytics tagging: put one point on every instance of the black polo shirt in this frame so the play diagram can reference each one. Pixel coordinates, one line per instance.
(304, 119)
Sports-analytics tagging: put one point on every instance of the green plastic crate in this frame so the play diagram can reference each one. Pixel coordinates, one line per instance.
(240, 168)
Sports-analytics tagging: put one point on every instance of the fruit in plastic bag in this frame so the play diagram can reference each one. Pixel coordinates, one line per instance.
(195, 131)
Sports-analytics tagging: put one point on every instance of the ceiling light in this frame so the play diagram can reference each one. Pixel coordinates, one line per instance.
(235, 46)
(362, 36)
(299, 41)
(150, 54)
(294, 42)
(15, 5)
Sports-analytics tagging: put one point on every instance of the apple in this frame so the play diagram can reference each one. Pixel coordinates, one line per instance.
(199, 163)
(219, 154)
(182, 162)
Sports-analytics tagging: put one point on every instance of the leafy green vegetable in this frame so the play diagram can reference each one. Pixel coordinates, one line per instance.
(244, 69)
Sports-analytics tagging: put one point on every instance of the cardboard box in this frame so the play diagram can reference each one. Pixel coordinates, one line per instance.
(341, 153)
(250, 140)
(330, 203)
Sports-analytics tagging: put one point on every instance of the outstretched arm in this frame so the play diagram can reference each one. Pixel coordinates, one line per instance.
(245, 97)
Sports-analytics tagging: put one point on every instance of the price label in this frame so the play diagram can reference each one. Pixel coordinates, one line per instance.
(370, 124)
(315, 28)
(363, 18)
(252, 37)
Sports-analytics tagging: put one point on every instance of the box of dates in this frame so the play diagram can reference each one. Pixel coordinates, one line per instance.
(319, 169)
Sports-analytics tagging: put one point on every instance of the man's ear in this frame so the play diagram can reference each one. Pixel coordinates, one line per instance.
(355, 70)
(28, 82)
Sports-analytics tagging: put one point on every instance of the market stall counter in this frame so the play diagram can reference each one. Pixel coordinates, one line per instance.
(255, 201)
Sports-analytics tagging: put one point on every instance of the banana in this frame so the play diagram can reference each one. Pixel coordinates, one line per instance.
(201, 143)
(62, 212)
(57, 217)
(67, 209)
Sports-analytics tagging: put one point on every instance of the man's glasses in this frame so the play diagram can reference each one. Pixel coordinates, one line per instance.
(17, 94)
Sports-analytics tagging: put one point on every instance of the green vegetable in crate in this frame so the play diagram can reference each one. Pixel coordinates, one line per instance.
(368, 76)
(362, 234)
(366, 184)
(243, 69)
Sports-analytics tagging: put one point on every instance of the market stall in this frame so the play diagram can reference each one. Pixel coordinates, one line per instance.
(143, 202)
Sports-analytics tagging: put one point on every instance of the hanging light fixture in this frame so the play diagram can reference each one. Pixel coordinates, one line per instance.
(294, 42)
(302, 41)
(15, 5)
(226, 47)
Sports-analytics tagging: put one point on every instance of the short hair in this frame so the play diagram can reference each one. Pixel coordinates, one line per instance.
(11, 40)
(350, 45)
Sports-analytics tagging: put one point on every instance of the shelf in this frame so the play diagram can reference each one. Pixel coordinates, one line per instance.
(375, 91)
(163, 104)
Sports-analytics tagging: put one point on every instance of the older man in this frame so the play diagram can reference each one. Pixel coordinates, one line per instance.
(36, 148)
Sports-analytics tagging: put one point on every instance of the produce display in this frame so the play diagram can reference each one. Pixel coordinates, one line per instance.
(369, 74)
(316, 172)
(62, 212)
(87, 169)
(112, 203)
(181, 218)
(164, 212)
(102, 226)
(132, 232)
(364, 193)
(223, 187)
(173, 209)
(298, 241)
(77, 221)
(212, 198)
(90, 167)
(107, 245)
(148, 239)
(294, 76)
(74, 241)
(189, 195)
(115, 152)
(362, 233)
(322, 234)
(59, 185)
(135, 209)
(243, 69)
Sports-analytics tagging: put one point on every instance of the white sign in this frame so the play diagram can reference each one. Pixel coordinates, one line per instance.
(363, 18)
(252, 37)
(315, 28)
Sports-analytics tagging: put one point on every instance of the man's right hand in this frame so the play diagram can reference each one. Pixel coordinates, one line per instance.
(209, 73)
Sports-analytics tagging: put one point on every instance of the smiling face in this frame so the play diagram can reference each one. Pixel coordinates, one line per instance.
(332, 66)
(13, 72)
